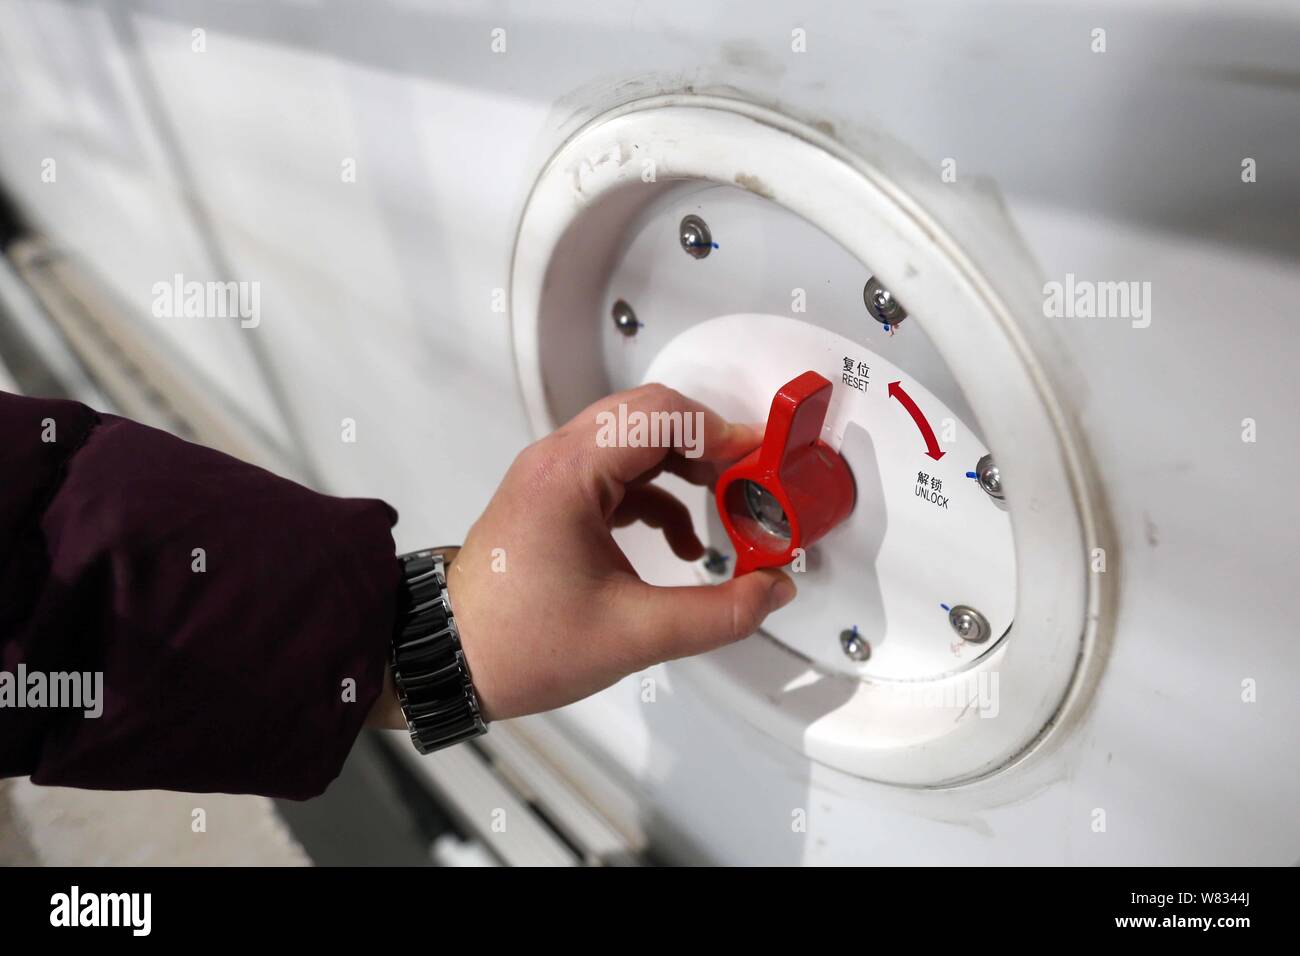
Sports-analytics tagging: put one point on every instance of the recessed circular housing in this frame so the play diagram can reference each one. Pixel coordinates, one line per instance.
(797, 227)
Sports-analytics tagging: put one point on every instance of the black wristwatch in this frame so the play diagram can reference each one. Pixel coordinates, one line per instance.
(429, 668)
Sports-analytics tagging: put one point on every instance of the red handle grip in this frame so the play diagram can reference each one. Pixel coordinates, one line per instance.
(793, 488)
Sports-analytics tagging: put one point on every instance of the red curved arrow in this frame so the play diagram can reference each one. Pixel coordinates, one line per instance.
(931, 443)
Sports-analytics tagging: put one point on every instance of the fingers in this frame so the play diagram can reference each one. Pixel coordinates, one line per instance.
(680, 621)
(705, 472)
(635, 431)
(660, 509)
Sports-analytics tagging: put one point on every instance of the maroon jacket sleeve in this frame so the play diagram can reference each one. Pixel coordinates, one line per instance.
(226, 608)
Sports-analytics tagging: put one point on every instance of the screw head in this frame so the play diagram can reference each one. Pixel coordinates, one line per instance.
(990, 479)
(625, 319)
(695, 237)
(971, 626)
(854, 644)
(882, 305)
(715, 562)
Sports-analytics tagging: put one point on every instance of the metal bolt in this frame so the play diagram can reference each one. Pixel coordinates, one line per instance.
(990, 479)
(625, 319)
(881, 303)
(971, 626)
(766, 510)
(715, 562)
(854, 644)
(695, 236)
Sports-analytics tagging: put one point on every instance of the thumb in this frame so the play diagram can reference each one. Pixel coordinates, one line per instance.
(681, 621)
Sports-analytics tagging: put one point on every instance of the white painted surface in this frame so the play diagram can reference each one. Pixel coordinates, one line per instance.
(378, 302)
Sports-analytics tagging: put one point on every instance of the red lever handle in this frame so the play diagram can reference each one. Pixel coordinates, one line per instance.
(793, 488)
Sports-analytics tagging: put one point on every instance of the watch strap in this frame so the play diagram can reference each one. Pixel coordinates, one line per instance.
(434, 686)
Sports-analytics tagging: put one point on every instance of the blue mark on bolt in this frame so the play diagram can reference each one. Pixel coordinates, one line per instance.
(971, 474)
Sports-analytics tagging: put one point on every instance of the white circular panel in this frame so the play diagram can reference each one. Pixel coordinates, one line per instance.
(922, 536)
(587, 211)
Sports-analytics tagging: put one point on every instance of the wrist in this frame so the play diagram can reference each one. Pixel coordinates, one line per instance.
(459, 595)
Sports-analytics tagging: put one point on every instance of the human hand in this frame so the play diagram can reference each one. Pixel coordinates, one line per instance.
(563, 614)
